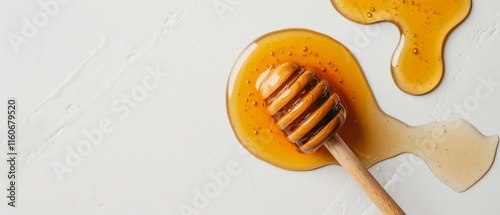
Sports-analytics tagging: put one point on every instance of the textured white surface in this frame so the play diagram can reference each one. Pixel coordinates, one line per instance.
(172, 60)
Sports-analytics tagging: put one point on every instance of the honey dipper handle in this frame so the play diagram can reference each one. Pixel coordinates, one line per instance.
(360, 174)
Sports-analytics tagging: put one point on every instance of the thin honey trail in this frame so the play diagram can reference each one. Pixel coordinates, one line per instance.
(310, 111)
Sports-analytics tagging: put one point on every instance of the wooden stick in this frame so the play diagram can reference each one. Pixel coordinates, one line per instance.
(360, 174)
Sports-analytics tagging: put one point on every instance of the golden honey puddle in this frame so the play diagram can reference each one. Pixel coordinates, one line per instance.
(417, 64)
(457, 153)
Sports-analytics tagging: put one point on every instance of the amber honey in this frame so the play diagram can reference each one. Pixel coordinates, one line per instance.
(454, 150)
(417, 64)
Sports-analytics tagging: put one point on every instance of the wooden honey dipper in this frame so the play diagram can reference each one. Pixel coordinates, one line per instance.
(310, 112)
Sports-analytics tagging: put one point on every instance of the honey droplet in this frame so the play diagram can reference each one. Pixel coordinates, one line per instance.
(415, 51)
(304, 49)
(369, 14)
(372, 9)
(289, 53)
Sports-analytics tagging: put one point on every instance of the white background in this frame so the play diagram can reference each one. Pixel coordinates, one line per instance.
(84, 56)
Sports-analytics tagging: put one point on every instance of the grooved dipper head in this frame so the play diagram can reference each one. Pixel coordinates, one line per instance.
(305, 107)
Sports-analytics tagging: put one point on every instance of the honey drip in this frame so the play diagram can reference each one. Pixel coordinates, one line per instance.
(417, 64)
(457, 153)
